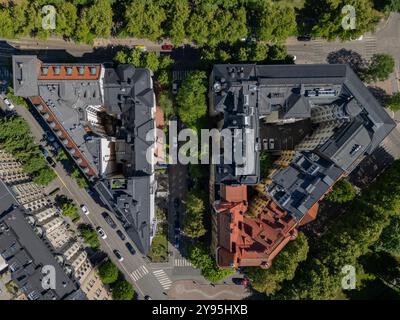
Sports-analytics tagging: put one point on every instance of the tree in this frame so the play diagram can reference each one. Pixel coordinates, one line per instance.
(273, 22)
(121, 57)
(329, 18)
(99, 17)
(200, 257)
(82, 31)
(265, 163)
(191, 98)
(343, 191)
(151, 61)
(90, 236)
(144, 19)
(283, 268)
(166, 104)
(79, 178)
(380, 67)
(122, 290)
(108, 272)
(393, 102)
(44, 176)
(68, 208)
(193, 225)
(180, 12)
(6, 24)
(67, 17)
(389, 240)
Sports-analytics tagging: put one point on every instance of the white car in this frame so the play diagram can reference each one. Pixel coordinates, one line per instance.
(9, 104)
(85, 210)
(174, 88)
(101, 233)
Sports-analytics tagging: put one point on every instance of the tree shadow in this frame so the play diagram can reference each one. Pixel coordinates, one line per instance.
(350, 57)
(379, 94)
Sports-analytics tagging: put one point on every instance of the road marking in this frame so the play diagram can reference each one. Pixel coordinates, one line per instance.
(163, 279)
(182, 263)
(139, 273)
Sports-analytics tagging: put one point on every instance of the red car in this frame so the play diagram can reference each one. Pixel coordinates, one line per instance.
(167, 47)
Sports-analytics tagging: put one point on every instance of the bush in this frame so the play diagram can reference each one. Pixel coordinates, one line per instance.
(200, 257)
(108, 272)
(122, 290)
(90, 236)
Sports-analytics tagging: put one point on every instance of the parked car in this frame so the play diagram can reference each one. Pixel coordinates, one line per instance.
(84, 209)
(109, 220)
(239, 281)
(177, 241)
(44, 151)
(49, 136)
(305, 37)
(51, 161)
(271, 143)
(174, 88)
(147, 297)
(101, 233)
(9, 104)
(121, 235)
(167, 47)
(118, 255)
(140, 47)
(130, 248)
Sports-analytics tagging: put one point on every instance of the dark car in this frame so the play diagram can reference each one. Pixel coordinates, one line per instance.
(176, 203)
(239, 281)
(167, 47)
(177, 227)
(109, 220)
(118, 255)
(51, 161)
(121, 235)
(130, 248)
(305, 37)
(177, 241)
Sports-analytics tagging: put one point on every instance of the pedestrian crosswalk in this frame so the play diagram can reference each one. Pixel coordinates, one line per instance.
(318, 50)
(163, 279)
(370, 47)
(182, 263)
(139, 273)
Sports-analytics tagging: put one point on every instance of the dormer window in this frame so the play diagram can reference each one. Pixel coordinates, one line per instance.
(45, 70)
(93, 71)
(57, 70)
(81, 70)
(68, 70)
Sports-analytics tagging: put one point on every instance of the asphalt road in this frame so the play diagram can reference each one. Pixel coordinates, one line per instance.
(148, 283)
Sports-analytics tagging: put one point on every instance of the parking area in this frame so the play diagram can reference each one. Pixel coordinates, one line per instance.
(284, 137)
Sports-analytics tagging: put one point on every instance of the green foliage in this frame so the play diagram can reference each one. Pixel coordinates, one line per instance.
(191, 98)
(380, 67)
(108, 272)
(67, 207)
(393, 102)
(79, 178)
(387, 5)
(122, 290)
(193, 225)
(67, 18)
(349, 238)
(265, 163)
(328, 18)
(16, 139)
(200, 257)
(343, 191)
(283, 267)
(165, 102)
(273, 22)
(144, 18)
(176, 28)
(99, 18)
(90, 236)
(389, 240)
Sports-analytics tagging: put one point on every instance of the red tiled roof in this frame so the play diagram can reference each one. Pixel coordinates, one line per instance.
(234, 193)
(74, 75)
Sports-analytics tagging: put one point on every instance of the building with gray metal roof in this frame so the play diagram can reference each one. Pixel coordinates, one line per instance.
(102, 116)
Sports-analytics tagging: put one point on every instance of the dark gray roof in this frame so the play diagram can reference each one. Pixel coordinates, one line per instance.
(297, 106)
(299, 186)
(7, 200)
(26, 254)
(25, 72)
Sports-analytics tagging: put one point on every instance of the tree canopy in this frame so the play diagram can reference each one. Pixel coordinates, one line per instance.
(108, 272)
(380, 67)
(90, 236)
(343, 191)
(122, 290)
(191, 98)
(193, 225)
